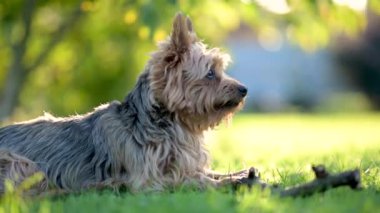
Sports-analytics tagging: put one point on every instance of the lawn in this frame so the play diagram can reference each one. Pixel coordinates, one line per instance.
(282, 147)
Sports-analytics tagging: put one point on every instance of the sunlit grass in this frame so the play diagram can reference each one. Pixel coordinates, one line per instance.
(265, 140)
(283, 147)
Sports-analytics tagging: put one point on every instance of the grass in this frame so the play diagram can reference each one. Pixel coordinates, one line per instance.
(283, 147)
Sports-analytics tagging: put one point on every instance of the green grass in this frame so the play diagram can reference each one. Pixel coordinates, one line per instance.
(283, 147)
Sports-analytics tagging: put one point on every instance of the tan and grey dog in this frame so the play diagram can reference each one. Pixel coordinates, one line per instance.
(150, 141)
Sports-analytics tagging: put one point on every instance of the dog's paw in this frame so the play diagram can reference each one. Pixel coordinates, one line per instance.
(245, 173)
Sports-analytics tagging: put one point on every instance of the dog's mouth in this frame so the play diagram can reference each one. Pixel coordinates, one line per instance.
(228, 105)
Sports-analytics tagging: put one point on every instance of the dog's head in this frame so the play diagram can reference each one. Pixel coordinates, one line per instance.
(188, 79)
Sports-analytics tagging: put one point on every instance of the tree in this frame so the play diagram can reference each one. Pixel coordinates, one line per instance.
(358, 59)
(67, 57)
(18, 69)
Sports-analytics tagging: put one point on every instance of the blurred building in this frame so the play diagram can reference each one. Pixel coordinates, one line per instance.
(281, 76)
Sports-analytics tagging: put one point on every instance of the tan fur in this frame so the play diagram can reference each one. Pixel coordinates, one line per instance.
(177, 71)
(177, 79)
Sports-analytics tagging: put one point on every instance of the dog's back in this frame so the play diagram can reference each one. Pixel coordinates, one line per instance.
(63, 148)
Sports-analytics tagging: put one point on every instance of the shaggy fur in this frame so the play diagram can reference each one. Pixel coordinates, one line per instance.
(150, 141)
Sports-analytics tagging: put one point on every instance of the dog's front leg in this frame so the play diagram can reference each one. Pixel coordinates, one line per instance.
(219, 176)
(226, 180)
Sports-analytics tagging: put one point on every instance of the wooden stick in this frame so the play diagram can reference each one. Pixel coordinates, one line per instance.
(322, 182)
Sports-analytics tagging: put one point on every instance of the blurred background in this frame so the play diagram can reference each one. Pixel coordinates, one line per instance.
(66, 57)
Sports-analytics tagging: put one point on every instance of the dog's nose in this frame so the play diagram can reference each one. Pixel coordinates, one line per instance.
(243, 90)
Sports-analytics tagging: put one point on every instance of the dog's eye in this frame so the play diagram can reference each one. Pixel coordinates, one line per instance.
(211, 74)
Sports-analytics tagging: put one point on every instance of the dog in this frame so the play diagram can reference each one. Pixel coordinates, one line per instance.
(153, 140)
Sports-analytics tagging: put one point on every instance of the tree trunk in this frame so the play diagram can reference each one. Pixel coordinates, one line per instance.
(14, 81)
(17, 73)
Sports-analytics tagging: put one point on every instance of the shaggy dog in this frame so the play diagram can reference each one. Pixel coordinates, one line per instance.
(151, 141)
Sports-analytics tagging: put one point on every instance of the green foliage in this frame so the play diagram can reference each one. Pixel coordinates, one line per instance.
(98, 57)
(12, 200)
(375, 6)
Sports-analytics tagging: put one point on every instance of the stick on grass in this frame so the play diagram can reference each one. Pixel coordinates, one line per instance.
(322, 182)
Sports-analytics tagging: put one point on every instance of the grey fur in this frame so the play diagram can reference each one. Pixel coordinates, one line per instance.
(80, 151)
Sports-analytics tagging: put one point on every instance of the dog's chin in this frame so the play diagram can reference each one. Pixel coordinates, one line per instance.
(231, 105)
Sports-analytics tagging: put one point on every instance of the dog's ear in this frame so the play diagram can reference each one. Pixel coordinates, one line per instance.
(181, 38)
(192, 36)
(189, 25)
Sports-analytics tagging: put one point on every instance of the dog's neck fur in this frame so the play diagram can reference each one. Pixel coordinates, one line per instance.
(173, 154)
(140, 102)
(156, 111)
